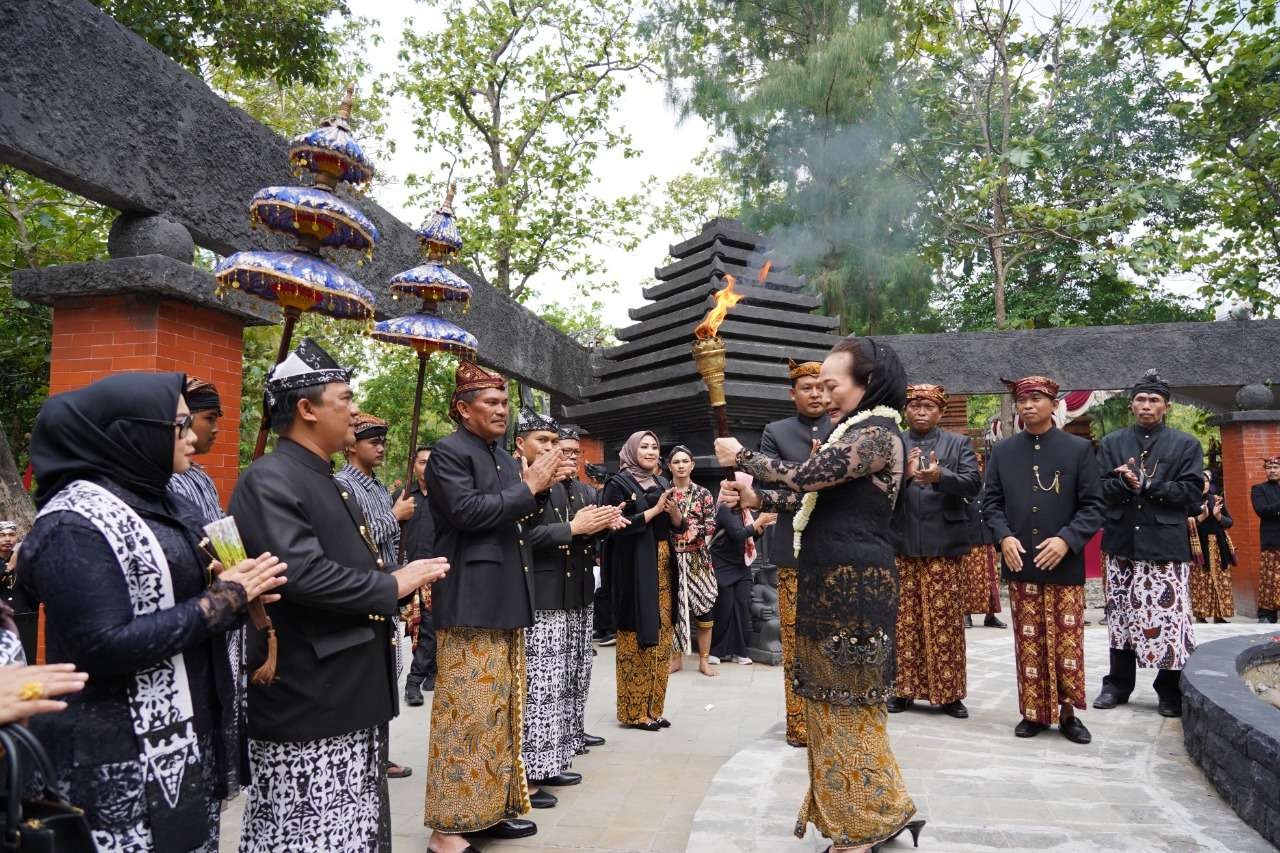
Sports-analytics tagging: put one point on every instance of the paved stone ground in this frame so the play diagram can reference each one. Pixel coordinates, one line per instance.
(722, 778)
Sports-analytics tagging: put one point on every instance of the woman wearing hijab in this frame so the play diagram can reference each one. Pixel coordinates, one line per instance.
(695, 576)
(847, 600)
(153, 743)
(639, 561)
(1213, 555)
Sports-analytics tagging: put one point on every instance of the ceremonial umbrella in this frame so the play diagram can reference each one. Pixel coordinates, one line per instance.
(303, 280)
(426, 331)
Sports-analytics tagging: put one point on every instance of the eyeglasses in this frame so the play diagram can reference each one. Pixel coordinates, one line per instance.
(182, 423)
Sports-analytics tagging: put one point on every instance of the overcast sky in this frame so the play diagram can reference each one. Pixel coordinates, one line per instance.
(667, 149)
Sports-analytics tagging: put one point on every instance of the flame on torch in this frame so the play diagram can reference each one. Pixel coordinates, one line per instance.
(726, 298)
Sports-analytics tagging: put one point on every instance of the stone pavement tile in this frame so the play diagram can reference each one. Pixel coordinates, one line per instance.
(626, 839)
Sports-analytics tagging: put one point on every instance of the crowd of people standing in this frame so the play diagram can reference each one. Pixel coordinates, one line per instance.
(174, 688)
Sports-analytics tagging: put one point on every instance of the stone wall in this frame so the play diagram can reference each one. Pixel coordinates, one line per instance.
(1232, 734)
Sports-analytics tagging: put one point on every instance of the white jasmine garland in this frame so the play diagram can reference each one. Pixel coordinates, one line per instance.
(810, 499)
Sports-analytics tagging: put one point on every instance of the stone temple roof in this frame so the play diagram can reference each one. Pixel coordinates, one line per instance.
(649, 379)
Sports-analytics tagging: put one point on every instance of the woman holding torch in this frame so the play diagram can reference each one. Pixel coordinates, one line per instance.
(844, 496)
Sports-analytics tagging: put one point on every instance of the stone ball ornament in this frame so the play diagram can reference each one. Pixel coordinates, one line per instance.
(136, 234)
(1255, 396)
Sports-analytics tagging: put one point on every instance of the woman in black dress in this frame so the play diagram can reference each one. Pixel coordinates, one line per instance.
(155, 741)
(847, 602)
(639, 559)
(1210, 580)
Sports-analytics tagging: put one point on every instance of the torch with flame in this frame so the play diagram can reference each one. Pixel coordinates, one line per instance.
(708, 349)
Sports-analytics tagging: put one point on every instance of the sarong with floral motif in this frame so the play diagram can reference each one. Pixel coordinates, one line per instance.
(787, 620)
(931, 653)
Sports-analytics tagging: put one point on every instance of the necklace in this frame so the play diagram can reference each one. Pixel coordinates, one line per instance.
(1142, 467)
(1055, 486)
(810, 499)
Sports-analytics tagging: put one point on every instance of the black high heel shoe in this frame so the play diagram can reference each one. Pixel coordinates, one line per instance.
(915, 827)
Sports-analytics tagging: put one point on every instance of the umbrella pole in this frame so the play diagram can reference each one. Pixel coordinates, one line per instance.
(286, 338)
(417, 411)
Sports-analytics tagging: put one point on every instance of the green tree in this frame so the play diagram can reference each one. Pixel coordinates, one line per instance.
(523, 92)
(285, 40)
(1217, 63)
(807, 99)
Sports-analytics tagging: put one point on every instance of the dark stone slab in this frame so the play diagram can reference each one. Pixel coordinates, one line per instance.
(775, 351)
(726, 252)
(1220, 707)
(1254, 416)
(732, 328)
(729, 231)
(88, 105)
(716, 270)
(156, 275)
(704, 293)
(689, 317)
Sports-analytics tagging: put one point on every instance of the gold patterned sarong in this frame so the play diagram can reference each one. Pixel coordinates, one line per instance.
(856, 794)
(1048, 633)
(642, 672)
(787, 580)
(930, 635)
(475, 776)
(1269, 580)
(1211, 586)
(979, 581)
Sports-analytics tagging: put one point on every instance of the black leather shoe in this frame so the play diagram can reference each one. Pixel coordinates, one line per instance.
(663, 722)
(1107, 699)
(543, 800)
(592, 740)
(993, 621)
(428, 685)
(956, 709)
(644, 727)
(512, 827)
(413, 696)
(560, 780)
(968, 621)
(1028, 728)
(1169, 708)
(896, 704)
(1073, 730)
(582, 750)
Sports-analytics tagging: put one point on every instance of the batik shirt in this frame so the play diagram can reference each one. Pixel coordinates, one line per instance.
(196, 487)
(381, 526)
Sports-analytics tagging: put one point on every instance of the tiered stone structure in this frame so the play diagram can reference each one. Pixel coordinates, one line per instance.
(649, 381)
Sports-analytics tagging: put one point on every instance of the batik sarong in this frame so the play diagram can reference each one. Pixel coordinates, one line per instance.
(1269, 580)
(1048, 632)
(1149, 611)
(324, 794)
(1210, 586)
(642, 672)
(980, 581)
(475, 773)
(787, 579)
(931, 654)
(695, 596)
(856, 794)
(550, 738)
(581, 661)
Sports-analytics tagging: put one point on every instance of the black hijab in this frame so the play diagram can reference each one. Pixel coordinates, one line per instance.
(887, 384)
(119, 429)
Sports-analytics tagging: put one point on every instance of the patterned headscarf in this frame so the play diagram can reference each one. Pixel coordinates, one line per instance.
(1031, 384)
(472, 377)
(1151, 383)
(531, 421)
(1271, 460)
(8, 527)
(202, 396)
(629, 462)
(933, 393)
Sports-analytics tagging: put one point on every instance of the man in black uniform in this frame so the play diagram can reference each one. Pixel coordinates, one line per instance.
(482, 506)
(1152, 474)
(318, 780)
(942, 473)
(417, 540)
(1043, 503)
(792, 440)
(561, 595)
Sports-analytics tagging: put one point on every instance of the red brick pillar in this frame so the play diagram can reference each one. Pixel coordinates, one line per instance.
(95, 336)
(1247, 438)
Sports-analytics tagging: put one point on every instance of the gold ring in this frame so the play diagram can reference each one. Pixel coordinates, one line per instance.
(31, 690)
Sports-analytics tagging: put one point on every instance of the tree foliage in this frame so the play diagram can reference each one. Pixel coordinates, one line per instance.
(523, 92)
(284, 40)
(1216, 62)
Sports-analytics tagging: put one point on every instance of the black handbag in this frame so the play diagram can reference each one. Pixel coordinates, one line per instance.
(43, 824)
